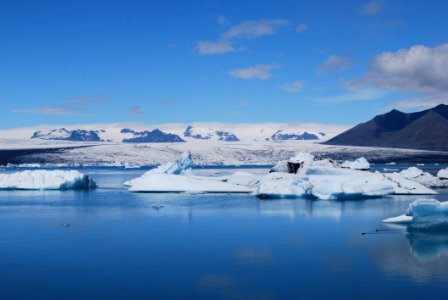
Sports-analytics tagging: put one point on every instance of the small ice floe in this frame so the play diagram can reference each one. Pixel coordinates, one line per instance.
(46, 180)
(424, 178)
(443, 173)
(424, 214)
(358, 164)
(176, 177)
(167, 183)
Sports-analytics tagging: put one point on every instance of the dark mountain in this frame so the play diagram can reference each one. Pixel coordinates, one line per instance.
(189, 133)
(425, 130)
(62, 134)
(280, 136)
(226, 136)
(155, 136)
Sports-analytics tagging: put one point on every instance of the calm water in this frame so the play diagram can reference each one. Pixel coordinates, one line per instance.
(111, 244)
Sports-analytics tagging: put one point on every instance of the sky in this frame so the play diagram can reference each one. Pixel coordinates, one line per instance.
(335, 62)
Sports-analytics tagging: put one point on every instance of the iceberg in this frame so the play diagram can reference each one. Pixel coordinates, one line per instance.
(424, 178)
(443, 173)
(358, 164)
(424, 214)
(324, 183)
(283, 185)
(325, 180)
(181, 166)
(46, 180)
(168, 183)
(177, 177)
(404, 186)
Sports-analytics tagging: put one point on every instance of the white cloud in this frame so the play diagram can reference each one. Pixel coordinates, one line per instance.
(417, 69)
(241, 104)
(261, 72)
(210, 47)
(367, 94)
(135, 111)
(222, 19)
(49, 110)
(243, 31)
(167, 101)
(335, 63)
(293, 87)
(302, 28)
(372, 8)
(418, 103)
(87, 99)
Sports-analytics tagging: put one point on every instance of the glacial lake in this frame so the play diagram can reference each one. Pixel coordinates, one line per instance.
(112, 244)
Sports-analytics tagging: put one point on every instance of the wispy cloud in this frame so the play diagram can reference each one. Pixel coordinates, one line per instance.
(335, 63)
(418, 103)
(72, 106)
(167, 101)
(222, 19)
(135, 111)
(49, 110)
(243, 31)
(241, 104)
(294, 87)
(302, 28)
(218, 47)
(373, 7)
(261, 72)
(87, 99)
(367, 94)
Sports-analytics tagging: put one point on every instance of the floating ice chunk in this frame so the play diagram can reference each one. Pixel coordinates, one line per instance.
(443, 174)
(403, 186)
(168, 183)
(424, 178)
(402, 219)
(283, 185)
(240, 178)
(424, 214)
(358, 164)
(281, 166)
(181, 166)
(46, 180)
(412, 172)
(325, 184)
(329, 187)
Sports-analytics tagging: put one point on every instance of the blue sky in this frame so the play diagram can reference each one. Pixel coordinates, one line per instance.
(72, 62)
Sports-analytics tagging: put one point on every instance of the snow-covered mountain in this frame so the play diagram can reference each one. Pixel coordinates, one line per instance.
(62, 134)
(122, 144)
(172, 133)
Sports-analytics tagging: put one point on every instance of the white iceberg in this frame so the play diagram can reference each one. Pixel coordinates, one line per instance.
(46, 180)
(177, 177)
(324, 183)
(358, 164)
(283, 185)
(443, 173)
(404, 186)
(424, 214)
(424, 178)
(168, 183)
(181, 166)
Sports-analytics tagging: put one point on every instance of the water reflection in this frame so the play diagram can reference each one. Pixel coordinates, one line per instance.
(428, 246)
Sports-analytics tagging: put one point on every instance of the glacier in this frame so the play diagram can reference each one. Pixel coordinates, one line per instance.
(46, 180)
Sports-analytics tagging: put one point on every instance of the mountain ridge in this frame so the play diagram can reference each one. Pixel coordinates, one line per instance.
(423, 130)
